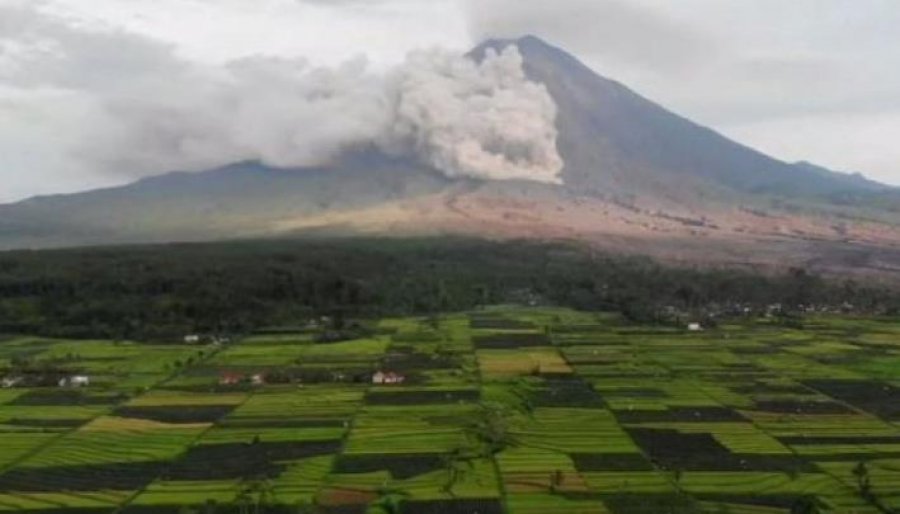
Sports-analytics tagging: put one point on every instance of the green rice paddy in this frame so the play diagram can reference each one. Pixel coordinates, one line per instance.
(504, 410)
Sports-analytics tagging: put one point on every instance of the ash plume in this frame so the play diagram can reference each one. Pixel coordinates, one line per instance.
(466, 119)
(482, 120)
(149, 111)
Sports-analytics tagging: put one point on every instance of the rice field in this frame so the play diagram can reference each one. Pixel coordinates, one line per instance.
(505, 410)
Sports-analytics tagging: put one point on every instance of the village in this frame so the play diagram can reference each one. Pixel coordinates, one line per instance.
(226, 378)
(258, 379)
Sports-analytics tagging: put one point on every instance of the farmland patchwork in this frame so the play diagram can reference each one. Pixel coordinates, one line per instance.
(506, 410)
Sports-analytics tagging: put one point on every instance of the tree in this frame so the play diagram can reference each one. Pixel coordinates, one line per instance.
(304, 507)
(492, 429)
(390, 500)
(806, 505)
(254, 494)
(458, 463)
(863, 481)
(244, 501)
(210, 507)
(556, 480)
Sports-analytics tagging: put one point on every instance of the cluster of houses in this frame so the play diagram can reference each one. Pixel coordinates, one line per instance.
(737, 309)
(205, 339)
(72, 381)
(75, 381)
(9, 382)
(240, 378)
(379, 378)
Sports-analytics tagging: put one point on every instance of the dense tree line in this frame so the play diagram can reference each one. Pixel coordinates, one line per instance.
(162, 292)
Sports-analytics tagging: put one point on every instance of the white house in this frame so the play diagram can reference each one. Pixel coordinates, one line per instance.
(191, 339)
(75, 381)
(387, 378)
(230, 379)
(695, 327)
(394, 378)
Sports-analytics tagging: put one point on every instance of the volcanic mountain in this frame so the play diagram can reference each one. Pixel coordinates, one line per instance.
(637, 179)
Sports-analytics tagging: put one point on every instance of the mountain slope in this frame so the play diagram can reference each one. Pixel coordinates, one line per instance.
(613, 139)
(234, 201)
(637, 179)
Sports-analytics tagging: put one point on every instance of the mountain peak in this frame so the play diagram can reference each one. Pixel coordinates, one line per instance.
(528, 40)
(615, 141)
(529, 45)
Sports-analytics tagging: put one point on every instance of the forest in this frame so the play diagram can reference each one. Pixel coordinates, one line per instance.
(161, 292)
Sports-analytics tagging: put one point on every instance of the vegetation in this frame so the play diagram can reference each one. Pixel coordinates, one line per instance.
(595, 414)
(161, 293)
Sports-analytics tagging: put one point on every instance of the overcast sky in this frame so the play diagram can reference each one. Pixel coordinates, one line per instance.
(802, 79)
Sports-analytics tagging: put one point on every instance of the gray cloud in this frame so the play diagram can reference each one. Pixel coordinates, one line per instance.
(729, 61)
(146, 110)
(41, 51)
(608, 30)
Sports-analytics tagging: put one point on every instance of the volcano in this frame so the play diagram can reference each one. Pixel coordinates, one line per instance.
(638, 179)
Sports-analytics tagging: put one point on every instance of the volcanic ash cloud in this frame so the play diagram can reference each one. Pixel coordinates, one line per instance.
(117, 103)
(463, 118)
(484, 120)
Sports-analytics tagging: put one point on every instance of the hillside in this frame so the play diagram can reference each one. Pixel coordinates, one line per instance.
(613, 139)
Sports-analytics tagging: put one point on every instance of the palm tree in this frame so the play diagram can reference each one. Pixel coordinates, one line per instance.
(458, 463)
(863, 482)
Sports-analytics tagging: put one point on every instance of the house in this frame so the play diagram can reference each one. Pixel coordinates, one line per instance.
(387, 378)
(258, 379)
(695, 327)
(75, 381)
(230, 378)
(191, 339)
(394, 378)
(9, 382)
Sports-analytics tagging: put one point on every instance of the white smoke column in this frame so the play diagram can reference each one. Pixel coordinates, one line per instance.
(484, 120)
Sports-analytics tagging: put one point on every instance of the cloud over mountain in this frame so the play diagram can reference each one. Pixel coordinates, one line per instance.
(148, 111)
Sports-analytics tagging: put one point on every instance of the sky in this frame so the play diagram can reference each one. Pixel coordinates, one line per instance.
(84, 86)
